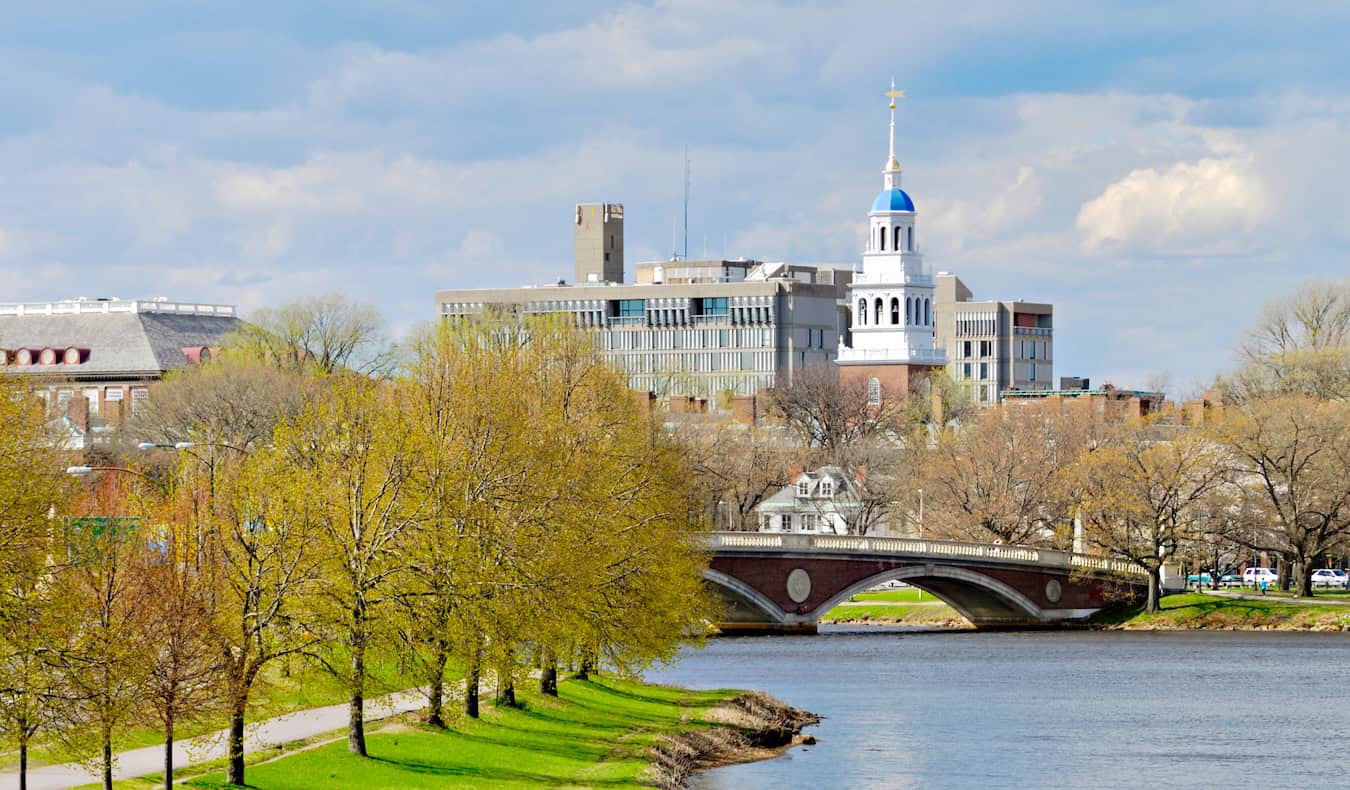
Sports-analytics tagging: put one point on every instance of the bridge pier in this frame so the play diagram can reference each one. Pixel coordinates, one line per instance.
(765, 629)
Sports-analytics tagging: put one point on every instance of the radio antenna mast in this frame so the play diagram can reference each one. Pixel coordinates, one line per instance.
(686, 202)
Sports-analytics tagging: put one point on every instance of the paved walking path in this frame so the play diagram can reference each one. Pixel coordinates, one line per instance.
(1246, 596)
(265, 734)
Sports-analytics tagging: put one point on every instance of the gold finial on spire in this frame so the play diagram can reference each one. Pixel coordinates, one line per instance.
(894, 94)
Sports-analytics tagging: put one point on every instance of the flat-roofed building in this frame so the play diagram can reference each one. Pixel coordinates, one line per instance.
(701, 328)
(994, 346)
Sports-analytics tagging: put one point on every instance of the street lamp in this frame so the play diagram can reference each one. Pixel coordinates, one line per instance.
(920, 514)
(81, 471)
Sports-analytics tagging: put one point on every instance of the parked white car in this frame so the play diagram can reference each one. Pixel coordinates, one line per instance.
(1330, 577)
(1252, 577)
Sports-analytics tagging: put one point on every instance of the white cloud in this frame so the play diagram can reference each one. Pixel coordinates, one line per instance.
(1206, 206)
(953, 223)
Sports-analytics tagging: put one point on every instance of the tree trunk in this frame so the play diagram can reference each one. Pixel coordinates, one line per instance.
(436, 686)
(168, 749)
(587, 665)
(356, 722)
(548, 677)
(234, 771)
(23, 758)
(107, 759)
(471, 691)
(1154, 585)
(1304, 579)
(506, 690)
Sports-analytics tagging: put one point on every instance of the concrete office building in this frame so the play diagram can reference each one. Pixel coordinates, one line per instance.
(994, 346)
(700, 328)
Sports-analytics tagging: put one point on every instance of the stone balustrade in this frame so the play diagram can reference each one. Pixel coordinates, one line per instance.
(919, 548)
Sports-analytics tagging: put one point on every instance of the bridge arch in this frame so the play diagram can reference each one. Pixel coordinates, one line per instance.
(916, 575)
(746, 593)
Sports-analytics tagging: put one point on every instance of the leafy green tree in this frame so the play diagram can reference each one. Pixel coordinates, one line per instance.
(351, 459)
(32, 488)
(262, 546)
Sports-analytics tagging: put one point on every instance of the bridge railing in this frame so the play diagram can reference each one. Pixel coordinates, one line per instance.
(865, 544)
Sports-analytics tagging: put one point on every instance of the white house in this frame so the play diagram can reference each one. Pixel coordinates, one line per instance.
(823, 500)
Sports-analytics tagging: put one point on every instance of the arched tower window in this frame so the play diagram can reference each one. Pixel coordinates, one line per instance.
(927, 317)
(909, 238)
(896, 245)
(876, 319)
(895, 310)
(881, 236)
(874, 392)
(862, 312)
(909, 310)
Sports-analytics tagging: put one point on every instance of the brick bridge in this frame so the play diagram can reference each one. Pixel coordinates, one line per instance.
(786, 582)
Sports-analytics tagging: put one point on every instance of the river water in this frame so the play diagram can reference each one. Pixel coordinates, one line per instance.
(1056, 709)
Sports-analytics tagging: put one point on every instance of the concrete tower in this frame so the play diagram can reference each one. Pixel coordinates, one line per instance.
(598, 243)
(891, 303)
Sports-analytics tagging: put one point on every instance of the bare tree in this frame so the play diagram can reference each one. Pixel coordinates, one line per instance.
(998, 477)
(232, 402)
(1292, 455)
(1300, 345)
(735, 468)
(829, 413)
(1140, 493)
(325, 333)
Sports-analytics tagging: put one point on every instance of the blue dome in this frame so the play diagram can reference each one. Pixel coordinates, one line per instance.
(892, 200)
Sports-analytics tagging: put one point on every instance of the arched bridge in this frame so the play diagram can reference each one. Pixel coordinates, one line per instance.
(786, 581)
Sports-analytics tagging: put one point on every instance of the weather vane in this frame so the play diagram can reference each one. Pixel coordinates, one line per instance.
(894, 94)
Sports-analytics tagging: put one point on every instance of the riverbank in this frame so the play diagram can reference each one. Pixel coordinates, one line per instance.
(602, 731)
(908, 606)
(1216, 611)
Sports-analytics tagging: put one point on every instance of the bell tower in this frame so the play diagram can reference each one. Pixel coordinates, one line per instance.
(891, 301)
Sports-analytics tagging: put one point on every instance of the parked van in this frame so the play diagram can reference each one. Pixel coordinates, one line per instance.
(1252, 577)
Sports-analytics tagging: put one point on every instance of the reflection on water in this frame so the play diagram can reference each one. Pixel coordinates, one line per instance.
(1044, 709)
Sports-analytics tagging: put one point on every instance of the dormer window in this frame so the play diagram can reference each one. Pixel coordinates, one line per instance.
(827, 488)
(804, 489)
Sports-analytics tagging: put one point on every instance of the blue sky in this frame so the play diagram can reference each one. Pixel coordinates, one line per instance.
(1157, 170)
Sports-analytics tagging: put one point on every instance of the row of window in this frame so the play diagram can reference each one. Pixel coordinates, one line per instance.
(1027, 349)
(977, 371)
(678, 339)
(975, 325)
(703, 386)
(696, 362)
(94, 396)
(918, 312)
(43, 356)
(826, 488)
(967, 348)
(898, 233)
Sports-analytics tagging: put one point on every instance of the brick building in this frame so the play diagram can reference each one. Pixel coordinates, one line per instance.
(93, 361)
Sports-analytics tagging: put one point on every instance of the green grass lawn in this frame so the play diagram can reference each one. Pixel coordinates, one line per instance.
(282, 688)
(595, 734)
(928, 613)
(1197, 610)
(1318, 592)
(908, 595)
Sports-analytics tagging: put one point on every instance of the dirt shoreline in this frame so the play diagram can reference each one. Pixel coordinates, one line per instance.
(751, 727)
